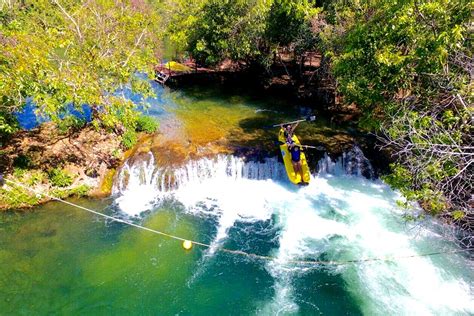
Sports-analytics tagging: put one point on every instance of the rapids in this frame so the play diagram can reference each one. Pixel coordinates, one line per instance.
(187, 181)
(340, 216)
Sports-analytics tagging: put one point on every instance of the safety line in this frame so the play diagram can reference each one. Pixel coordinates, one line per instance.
(235, 252)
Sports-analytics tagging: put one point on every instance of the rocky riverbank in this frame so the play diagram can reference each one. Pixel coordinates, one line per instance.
(78, 162)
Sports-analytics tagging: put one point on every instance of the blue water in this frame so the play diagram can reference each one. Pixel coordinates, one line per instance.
(29, 118)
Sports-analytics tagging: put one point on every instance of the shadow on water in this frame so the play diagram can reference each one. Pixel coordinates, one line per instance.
(328, 289)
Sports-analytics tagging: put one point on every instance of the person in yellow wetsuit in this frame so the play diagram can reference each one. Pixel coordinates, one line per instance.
(294, 150)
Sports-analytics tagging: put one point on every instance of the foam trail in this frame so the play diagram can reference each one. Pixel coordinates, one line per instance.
(339, 216)
(351, 218)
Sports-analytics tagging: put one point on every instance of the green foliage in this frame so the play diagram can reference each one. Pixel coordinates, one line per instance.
(16, 197)
(405, 65)
(79, 191)
(69, 52)
(399, 178)
(70, 122)
(213, 30)
(180, 23)
(228, 29)
(146, 124)
(59, 178)
(379, 49)
(36, 177)
(22, 161)
(129, 138)
(19, 172)
(143, 123)
(8, 125)
(427, 195)
(117, 153)
(457, 215)
(286, 19)
(12, 196)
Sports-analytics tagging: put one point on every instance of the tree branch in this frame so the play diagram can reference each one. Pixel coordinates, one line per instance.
(137, 42)
(78, 30)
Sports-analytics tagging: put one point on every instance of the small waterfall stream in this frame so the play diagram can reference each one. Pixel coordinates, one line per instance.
(340, 216)
(149, 183)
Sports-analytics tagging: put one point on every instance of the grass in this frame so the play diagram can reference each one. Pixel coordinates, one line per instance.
(53, 183)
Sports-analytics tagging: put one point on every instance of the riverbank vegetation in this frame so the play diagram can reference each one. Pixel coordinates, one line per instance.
(405, 67)
(59, 164)
(60, 54)
(408, 66)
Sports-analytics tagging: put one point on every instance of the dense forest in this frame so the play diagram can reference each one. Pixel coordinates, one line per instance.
(406, 65)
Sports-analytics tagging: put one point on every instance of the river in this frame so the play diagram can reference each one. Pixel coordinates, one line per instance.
(186, 181)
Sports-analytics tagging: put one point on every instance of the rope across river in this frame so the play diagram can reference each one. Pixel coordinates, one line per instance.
(234, 252)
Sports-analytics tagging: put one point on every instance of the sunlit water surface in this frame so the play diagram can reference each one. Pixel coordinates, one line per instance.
(60, 260)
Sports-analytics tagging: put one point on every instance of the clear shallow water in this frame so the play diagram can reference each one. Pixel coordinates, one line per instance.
(61, 260)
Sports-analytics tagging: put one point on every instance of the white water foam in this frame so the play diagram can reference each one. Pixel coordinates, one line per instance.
(352, 162)
(140, 185)
(351, 218)
(341, 216)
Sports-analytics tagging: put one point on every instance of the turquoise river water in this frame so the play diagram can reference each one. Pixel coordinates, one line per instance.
(57, 259)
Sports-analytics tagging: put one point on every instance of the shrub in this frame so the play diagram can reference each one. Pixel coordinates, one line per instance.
(18, 197)
(80, 191)
(19, 172)
(129, 138)
(35, 177)
(146, 124)
(59, 178)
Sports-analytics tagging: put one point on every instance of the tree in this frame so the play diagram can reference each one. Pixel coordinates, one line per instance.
(63, 52)
(247, 31)
(287, 20)
(179, 21)
(408, 66)
(229, 29)
(289, 26)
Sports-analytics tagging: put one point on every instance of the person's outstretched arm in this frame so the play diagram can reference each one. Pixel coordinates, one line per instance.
(294, 127)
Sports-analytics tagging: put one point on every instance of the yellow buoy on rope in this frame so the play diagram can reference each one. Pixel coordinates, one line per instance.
(187, 244)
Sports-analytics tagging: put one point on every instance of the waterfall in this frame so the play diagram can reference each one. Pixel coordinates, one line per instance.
(352, 162)
(339, 216)
(145, 173)
(140, 183)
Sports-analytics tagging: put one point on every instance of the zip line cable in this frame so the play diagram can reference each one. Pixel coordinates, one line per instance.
(235, 252)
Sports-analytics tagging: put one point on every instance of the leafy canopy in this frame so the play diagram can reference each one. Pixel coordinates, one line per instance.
(240, 30)
(63, 52)
(408, 66)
